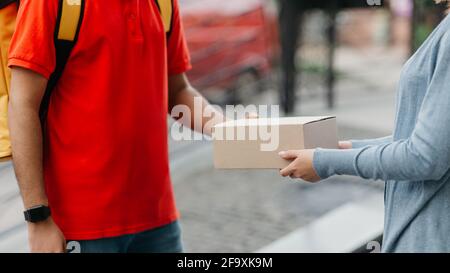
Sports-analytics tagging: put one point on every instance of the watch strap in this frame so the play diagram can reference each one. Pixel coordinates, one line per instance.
(37, 214)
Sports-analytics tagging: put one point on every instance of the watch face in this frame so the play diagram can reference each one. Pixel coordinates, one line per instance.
(37, 214)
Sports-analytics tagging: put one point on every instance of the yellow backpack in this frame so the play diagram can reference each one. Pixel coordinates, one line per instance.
(70, 16)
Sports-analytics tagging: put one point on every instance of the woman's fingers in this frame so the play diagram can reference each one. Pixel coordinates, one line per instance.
(302, 165)
(287, 171)
(289, 154)
(344, 145)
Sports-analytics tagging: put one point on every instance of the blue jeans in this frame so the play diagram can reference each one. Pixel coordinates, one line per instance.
(165, 239)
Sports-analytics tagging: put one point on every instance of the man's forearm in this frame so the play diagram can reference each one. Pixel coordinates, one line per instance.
(26, 135)
(199, 120)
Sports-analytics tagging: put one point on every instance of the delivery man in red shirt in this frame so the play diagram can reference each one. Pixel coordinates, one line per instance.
(98, 171)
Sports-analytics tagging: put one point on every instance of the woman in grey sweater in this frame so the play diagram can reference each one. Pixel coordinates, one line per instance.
(414, 161)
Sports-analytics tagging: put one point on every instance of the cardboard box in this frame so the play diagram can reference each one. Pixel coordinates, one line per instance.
(255, 143)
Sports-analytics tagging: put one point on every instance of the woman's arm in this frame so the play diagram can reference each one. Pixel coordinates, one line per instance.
(360, 143)
(425, 155)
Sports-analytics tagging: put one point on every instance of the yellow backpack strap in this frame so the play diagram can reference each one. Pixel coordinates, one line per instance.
(70, 12)
(166, 10)
(68, 25)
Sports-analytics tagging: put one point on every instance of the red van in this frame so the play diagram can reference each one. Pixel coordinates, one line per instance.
(231, 43)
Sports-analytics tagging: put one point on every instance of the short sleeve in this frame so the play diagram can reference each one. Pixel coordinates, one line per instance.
(32, 46)
(178, 58)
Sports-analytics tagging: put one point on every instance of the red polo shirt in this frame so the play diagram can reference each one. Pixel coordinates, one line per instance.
(106, 157)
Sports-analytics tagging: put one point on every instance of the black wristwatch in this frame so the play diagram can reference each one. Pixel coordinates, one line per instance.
(37, 214)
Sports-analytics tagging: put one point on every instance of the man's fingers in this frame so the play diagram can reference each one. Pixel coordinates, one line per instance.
(289, 154)
(251, 115)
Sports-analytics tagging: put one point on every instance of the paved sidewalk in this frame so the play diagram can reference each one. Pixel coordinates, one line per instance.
(13, 237)
(245, 210)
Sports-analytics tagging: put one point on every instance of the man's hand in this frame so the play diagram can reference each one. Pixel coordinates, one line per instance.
(46, 237)
(301, 166)
(182, 93)
(251, 115)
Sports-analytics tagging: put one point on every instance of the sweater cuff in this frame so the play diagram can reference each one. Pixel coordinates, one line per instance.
(328, 162)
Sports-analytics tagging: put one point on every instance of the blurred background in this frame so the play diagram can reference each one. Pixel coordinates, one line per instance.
(311, 57)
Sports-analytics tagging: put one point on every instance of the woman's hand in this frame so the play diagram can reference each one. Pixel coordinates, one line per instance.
(301, 167)
(344, 145)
